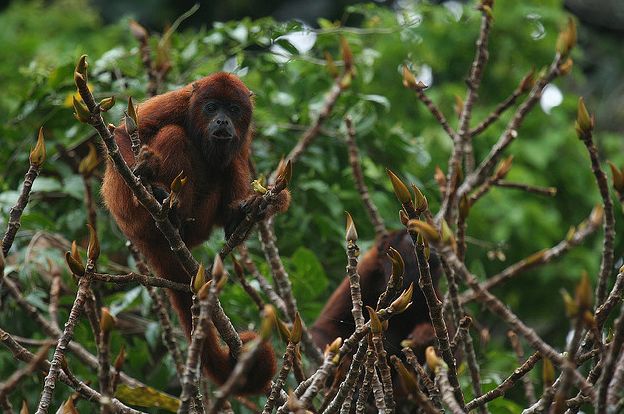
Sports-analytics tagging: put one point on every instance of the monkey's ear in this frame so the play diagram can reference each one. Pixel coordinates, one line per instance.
(251, 94)
(195, 86)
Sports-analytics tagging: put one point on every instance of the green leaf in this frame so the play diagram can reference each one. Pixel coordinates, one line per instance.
(46, 184)
(146, 397)
(126, 300)
(380, 99)
(287, 46)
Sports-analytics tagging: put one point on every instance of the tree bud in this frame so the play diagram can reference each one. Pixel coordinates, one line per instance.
(107, 321)
(38, 153)
(107, 103)
(93, 249)
(400, 189)
(81, 112)
(74, 265)
(403, 302)
(351, 232)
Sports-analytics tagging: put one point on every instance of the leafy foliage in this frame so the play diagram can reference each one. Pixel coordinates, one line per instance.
(284, 64)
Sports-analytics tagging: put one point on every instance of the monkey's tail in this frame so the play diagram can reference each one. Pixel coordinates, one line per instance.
(217, 362)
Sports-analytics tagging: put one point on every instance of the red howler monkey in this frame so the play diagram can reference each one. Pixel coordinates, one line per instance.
(202, 129)
(374, 269)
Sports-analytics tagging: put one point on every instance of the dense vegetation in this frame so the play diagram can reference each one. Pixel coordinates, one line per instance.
(286, 65)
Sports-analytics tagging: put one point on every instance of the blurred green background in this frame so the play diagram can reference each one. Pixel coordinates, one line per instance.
(283, 62)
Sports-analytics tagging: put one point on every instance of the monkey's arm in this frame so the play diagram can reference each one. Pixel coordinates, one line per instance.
(241, 200)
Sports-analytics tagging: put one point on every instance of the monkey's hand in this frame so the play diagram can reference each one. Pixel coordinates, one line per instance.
(278, 204)
(147, 166)
(257, 208)
(262, 208)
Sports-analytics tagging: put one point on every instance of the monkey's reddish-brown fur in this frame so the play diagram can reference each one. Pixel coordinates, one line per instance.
(374, 268)
(173, 127)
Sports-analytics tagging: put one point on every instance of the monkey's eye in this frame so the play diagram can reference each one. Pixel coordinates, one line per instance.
(235, 109)
(211, 107)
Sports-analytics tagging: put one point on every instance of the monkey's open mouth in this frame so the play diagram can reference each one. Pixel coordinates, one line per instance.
(222, 134)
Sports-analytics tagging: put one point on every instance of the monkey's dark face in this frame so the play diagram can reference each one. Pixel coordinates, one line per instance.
(222, 130)
(220, 117)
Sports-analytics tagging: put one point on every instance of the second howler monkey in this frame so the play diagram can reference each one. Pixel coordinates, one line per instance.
(202, 130)
(374, 268)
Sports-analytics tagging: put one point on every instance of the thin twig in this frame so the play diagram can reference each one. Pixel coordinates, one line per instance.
(278, 384)
(610, 363)
(572, 239)
(473, 368)
(265, 285)
(461, 333)
(497, 112)
(239, 273)
(432, 388)
(145, 280)
(574, 404)
(466, 339)
(358, 176)
(346, 348)
(527, 384)
(162, 314)
(614, 298)
(473, 82)
(198, 338)
(462, 145)
(367, 381)
(16, 377)
(542, 406)
(435, 111)
(53, 331)
(59, 353)
(153, 78)
(88, 393)
(167, 330)
(499, 309)
(571, 351)
(16, 211)
(341, 401)
(384, 371)
(545, 191)
(437, 318)
(509, 134)
(606, 263)
(448, 394)
(55, 293)
(616, 385)
(271, 252)
(310, 134)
